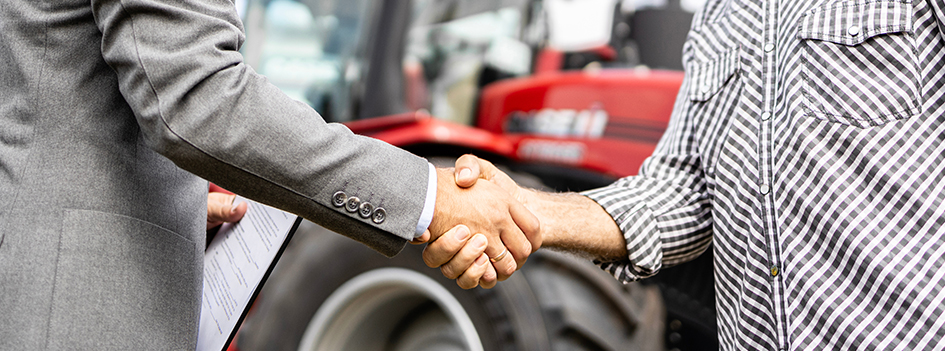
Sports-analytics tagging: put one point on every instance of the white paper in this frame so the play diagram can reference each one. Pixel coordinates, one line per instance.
(235, 262)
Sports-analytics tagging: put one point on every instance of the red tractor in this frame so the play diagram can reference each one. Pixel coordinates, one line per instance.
(558, 94)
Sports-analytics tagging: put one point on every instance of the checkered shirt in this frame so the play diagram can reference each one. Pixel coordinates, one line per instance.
(807, 145)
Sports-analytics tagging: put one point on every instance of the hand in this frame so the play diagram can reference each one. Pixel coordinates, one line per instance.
(456, 254)
(220, 209)
(487, 209)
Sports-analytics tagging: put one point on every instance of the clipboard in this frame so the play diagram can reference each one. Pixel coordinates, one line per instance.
(237, 262)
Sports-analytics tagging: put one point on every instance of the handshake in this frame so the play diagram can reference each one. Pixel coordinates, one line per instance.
(480, 218)
(509, 223)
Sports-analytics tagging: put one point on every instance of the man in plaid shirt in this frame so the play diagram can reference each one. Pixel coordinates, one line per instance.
(806, 145)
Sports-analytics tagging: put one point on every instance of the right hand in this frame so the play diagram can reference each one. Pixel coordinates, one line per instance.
(487, 209)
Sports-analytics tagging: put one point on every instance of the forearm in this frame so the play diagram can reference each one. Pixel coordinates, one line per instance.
(572, 222)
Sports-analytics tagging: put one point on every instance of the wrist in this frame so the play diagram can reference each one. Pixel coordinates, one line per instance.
(576, 223)
(544, 206)
(444, 184)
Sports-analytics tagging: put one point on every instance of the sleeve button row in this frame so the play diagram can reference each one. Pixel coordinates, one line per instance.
(364, 209)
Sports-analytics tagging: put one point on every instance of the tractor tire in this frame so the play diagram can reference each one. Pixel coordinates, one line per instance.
(331, 293)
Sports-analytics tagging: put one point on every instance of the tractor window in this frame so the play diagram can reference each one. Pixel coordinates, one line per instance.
(455, 47)
(307, 48)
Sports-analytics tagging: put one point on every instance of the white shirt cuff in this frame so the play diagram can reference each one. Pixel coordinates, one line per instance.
(427, 215)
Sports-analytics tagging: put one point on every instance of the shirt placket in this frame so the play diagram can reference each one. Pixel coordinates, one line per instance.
(765, 184)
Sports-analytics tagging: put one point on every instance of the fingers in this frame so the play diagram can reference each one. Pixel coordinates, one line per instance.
(489, 278)
(519, 248)
(506, 264)
(220, 209)
(528, 223)
(445, 246)
(480, 273)
(463, 260)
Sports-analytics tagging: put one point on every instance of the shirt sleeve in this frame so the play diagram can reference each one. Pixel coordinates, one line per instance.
(665, 212)
(426, 216)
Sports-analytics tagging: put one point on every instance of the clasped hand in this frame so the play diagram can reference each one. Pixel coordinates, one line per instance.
(482, 200)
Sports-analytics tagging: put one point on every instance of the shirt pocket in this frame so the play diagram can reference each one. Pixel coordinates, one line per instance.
(713, 94)
(709, 77)
(859, 62)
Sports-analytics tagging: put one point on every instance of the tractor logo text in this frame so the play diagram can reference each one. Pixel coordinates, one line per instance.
(564, 123)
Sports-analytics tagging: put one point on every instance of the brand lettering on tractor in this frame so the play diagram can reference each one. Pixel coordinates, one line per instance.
(567, 152)
(589, 123)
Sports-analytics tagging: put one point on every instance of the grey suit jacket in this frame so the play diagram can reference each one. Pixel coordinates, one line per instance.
(109, 110)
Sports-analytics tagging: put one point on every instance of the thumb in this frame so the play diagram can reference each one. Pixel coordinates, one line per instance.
(470, 168)
(221, 208)
(467, 171)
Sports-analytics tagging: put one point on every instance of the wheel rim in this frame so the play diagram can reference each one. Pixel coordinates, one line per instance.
(390, 309)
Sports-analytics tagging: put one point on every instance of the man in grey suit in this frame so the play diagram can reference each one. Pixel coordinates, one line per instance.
(109, 112)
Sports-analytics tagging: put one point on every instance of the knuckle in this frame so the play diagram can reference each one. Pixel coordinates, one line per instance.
(533, 227)
(448, 272)
(521, 250)
(427, 259)
(503, 274)
(526, 248)
(488, 277)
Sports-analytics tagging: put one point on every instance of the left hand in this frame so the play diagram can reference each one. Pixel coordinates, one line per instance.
(220, 209)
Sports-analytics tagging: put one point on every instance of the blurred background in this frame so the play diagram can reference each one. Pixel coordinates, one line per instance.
(564, 95)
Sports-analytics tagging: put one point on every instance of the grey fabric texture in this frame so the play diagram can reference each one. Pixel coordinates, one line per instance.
(109, 112)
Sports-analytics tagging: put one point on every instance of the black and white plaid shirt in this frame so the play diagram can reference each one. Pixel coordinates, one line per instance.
(808, 145)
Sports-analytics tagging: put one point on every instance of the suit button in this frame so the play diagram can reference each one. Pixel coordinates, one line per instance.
(379, 215)
(339, 199)
(366, 209)
(352, 204)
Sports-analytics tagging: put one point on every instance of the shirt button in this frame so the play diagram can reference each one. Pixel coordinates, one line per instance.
(769, 47)
(706, 88)
(764, 189)
(765, 116)
(854, 30)
(774, 271)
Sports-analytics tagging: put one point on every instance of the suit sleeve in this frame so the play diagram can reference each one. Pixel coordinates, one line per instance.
(199, 105)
